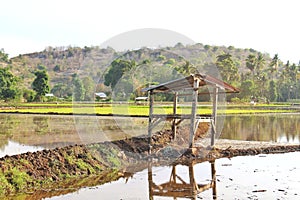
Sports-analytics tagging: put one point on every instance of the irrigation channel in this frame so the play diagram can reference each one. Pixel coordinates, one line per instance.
(264, 176)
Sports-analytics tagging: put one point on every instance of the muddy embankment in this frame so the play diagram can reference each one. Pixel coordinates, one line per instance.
(62, 170)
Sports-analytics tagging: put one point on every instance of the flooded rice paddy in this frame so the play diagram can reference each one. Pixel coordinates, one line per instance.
(19, 132)
(256, 177)
(250, 177)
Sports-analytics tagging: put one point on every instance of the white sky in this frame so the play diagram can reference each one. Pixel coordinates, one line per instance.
(270, 26)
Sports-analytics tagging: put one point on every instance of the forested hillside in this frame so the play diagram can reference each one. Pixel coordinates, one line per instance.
(73, 72)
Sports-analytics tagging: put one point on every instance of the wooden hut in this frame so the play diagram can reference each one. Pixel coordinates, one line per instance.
(189, 85)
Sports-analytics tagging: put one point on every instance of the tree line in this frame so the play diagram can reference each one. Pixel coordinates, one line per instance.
(10, 89)
(265, 81)
(258, 78)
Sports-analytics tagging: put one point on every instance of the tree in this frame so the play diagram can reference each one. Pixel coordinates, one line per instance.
(246, 88)
(41, 84)
(59, 90)
(227, 67)
(293, 73)
(287, 84)
(89, 87)
(3, 56)
(272, 91)
(185, 69)
(8, 85)
(29, 95)
(260, 63)
(78, 88)
(207, 47)
(261, 84)
(116, 70)
(251, 63)
(274, 65)
(285, 73)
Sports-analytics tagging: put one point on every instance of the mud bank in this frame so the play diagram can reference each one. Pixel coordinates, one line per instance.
(51, 169)
(87, 165)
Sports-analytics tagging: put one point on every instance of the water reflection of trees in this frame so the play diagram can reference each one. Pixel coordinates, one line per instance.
(120, 128)
(42, 130)
(41, 124)
(55, 131)
(3, 141)
(262, 128)
(7, 126)
(177, 187)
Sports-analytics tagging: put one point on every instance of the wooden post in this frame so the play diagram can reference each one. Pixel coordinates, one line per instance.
(173, 174)
(150, 180)
(194, 111)
(174, 126)
(151, 101)
(193, 184)
(213, 181)
(214, 117)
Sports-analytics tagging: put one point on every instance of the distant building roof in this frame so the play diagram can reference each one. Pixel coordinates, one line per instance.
(49, 95)
(101, 94)
(141, 98)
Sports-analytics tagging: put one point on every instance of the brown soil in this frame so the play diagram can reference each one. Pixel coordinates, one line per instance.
(52, 164)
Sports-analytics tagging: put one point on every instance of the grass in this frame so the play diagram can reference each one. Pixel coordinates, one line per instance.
(13, 180)
(5, 185)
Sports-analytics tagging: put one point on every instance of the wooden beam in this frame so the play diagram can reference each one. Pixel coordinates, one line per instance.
(181, 116)
(150, 180)
(155, 123)
(214, 116)
(205, 93)
(174, 123)
(194, 112)
(213, 181)
(194, 185)
(151, 101)
(179, 121)
(173, 176)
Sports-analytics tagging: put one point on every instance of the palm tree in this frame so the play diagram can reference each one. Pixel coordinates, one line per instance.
(293, 73)
(251, 64)
(274, 65)
(260, 62)
(285, 73)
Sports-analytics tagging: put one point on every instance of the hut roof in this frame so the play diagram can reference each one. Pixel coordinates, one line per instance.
(187, 83)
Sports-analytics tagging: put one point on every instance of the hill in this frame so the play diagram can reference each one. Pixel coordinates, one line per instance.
(92, 63)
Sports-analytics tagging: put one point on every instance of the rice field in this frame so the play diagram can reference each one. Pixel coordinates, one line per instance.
(138, 110)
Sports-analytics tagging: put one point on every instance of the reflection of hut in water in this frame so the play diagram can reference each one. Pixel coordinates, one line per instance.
(177, 187)
(189, 85)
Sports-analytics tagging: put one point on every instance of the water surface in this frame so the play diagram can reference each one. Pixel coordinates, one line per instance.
(249, 177)
(36, 132)
(245, 177)
(263, 127)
